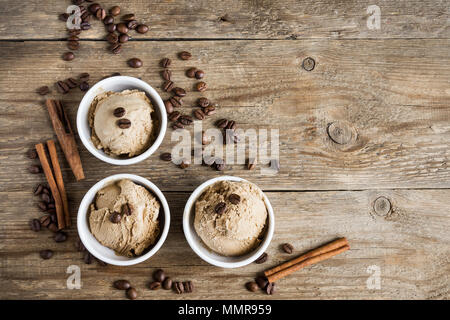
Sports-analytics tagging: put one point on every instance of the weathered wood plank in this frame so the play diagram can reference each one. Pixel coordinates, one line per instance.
(392, 94)
(410, 245)
(266, 19)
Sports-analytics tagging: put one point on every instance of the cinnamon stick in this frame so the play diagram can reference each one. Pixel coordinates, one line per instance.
(324, 256)
(323, 249)
(51, 182)
(59, 180)
(63, 130)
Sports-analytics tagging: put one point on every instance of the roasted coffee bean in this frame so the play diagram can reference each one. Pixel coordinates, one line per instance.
(73, 38)
(62, 87)
(42, 205)
(60, 236)
(115, 217)
(84, 76)
(122, 28)
(74, 32)
(190, 73)
(84, 86)
(46, 254)
(288, 248)
(32, 154)
(132, 24)
(43, 90)
(262, 282)
(127, 209)
(188, 286)
(166, 74)
(45, 197)
(234, 198)
(128, 17)
(142, 28)
(186, 120)
(124, 38)
(124, 123)
(199, 114)
(72, 83)
(165, 63)
(155, 285)
(88, 258)
(132, 293)
(169, 107)
(179, 91)
(112, 38)
(135, 63)
(94, 7)
(159, 275)
(168, 86)
(45, 220)
(263, 258)
(100, 14)
(177, 125)
(63, 17)
(184, 164)
(199, 74)
(166, 156)
(231, 125)
(251, 286)
(220, 208)
(176, 101)
(85, 16)
(167, 284)
(116, 48)
(271, 288)
(108, 20)
(251, 163)
(122, 284)
(85, 25)
(178, 287)
(35, 169)
(35, 225)
(38, 190)
(184, 55)
(115, 11)
(203, 102)
(68, 56)
(119, 112)
(209, 110)
(52, 227)
(174, 116)
(201, 86)
(111, 27)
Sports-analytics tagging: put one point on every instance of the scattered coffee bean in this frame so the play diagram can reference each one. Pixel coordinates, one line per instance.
(222, 123)
(63, 17)
(122, 284)
(122, 27)
(220, 208)
(251, 286)
(199, 74)
(178, 287)
(263, 258)
(179, 91)
(262, 282)
(231, 125)
(119, 112)
(100, 14)
(251, 163)
(201, 86)
(166, 74)
(35, 225)
(108, 20)
(165, 63)
(184, 164)
(127, 209)
(115, 217)
(190, 73)
(85, 16)
(94, 7)
(84, 76)
(271, 288)
(128, 17)
(219, 164)
(132, 293)
(72, 83)
(62, 87)
(32, 154)
(46, 254)
(234, 198)
(123, 123)
(184, 55)
(111, 27)
(166, 156)
(186, 120)
(177, 125)
(35, 169)
(43, 90)
(132, 24)
(60, 236)
(288, 248)
(169, 107)
(168, 86)
(112, 38)
(159, 275)
(174, 116)
(84, 86)
(45, 220)
(135, 63)
(142, 28)
(68, 56)
(73, 38)
(85, 25)
(203, 102)
(209, 110)
(176, 101)
(188, 286)
(53, 227)
(115, 11)
(155, 285)
(88, 258)
(116, 48)
(167, 284)
(199, 114)
(38, 190)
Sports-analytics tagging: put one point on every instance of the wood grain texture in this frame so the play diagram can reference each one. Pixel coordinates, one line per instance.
(410, 245)
(237, 19)
(393, 96)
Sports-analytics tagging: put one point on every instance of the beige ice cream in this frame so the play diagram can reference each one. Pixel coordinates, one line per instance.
(135, 232)
(241, 227)
(106, 133)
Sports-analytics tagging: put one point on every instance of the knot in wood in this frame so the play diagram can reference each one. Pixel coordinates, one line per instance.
(382, 206)
(340, 132)
(308, 64)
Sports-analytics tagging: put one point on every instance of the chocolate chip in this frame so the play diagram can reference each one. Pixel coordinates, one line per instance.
(234, 198)
(119, 112)
(263, 258)
(124, 123)
(115, 217)
(122, 284)
(127, 209)
(251, 286)
(288, 248)
(46, 254)
(220, 208)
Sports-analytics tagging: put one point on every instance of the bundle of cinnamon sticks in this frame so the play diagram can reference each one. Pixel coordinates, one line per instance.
(311, 257)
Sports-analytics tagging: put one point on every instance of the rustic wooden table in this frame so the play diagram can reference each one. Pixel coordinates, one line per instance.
(388, 87)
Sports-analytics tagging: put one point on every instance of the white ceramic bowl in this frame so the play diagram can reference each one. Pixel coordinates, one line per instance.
(96, 248)
(119, 83)
(208, 255)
